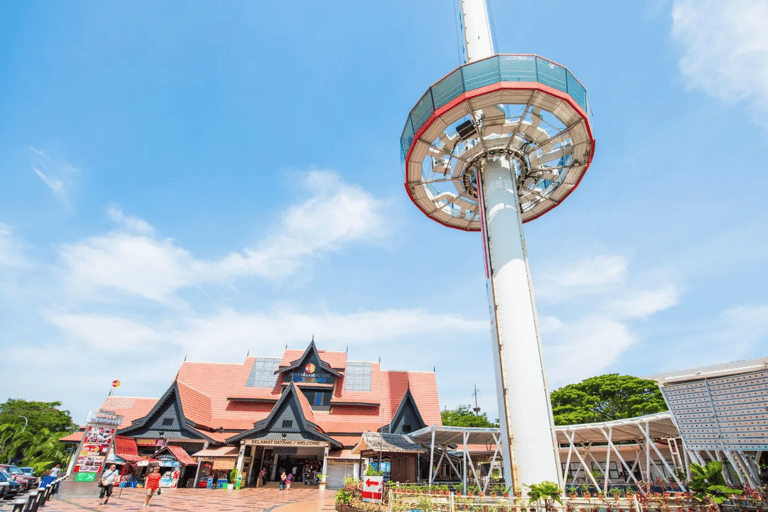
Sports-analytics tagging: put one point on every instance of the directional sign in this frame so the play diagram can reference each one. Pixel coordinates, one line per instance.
(373, 488)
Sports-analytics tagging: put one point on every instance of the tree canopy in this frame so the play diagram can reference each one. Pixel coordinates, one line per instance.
(38, 414)
(605, 398)
(30, 433)
(463, 416)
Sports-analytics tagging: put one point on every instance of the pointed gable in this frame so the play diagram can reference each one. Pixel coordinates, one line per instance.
(166, 419)
(291, 419)
(310, 356)
(407, 417)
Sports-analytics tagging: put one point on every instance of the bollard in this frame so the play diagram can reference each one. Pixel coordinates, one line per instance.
(18, 505)
(46, 494)
(31, 497)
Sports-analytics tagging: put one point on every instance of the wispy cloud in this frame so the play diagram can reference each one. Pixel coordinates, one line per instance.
(11, 254)
(724, 47)
(587, 276)
(130, 223)
(57, 174)
(130, 260)
(598, 302)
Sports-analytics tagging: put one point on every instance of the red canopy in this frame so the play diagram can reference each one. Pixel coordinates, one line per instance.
(125, 448)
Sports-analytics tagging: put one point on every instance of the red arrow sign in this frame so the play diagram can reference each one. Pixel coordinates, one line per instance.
(371, 483)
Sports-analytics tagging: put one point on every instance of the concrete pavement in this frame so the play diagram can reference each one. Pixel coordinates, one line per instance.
(270, 498)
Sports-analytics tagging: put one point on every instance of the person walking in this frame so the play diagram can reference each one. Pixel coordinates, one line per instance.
(108, 478)
(56, 470)
(152, 483)
(283, 479)
(288, 481)
(214, 479)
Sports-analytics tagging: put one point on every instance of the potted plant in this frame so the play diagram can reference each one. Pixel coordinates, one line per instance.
(708, 484)
(585, 491)
(573, 491)
(546, 492)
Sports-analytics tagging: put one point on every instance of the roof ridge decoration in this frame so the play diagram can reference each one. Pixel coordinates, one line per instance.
(305, 425)
(311, 349)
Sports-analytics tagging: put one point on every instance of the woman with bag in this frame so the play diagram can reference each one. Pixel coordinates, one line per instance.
(106, 483)
(152, 483)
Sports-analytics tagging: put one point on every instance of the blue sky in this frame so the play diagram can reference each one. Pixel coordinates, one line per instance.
(188, 179)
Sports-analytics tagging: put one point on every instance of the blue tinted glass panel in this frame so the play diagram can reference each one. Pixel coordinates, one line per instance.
(263, 373)
(406, 138)
(481, 73)
(447, 89)
(551, 74)
(577, 91)
(421, 112)
(516, 68)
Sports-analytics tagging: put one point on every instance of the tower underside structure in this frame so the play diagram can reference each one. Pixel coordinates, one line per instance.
(497, 142)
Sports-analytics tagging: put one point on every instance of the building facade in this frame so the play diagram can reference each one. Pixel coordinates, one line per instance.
(303, 412)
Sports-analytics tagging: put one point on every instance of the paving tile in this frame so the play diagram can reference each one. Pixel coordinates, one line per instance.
(199, 500)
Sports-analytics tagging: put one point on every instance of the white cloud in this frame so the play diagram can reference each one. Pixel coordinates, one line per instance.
(576, 278)
(644, 303)
(584, 348)
(724, 47)
(11, 254)
(228, 334)
(131, 261)
(336, 214)
(136, 265)
(129, 222)
(57, 174)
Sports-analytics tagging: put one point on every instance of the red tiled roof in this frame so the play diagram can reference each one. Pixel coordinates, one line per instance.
(305, 408)
(125, 448)
(75, 437)
(349, 441)
(129, 407)
(215, 396)
(196, 405)
(181, 454)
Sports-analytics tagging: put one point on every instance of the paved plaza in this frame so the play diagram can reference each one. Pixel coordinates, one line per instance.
(268, 498)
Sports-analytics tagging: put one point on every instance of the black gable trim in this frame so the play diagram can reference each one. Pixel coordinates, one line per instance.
(171, 396)
(298, 363)
(303, 427)
(395, 425)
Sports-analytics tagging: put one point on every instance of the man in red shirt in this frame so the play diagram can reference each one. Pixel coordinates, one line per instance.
(152, 483)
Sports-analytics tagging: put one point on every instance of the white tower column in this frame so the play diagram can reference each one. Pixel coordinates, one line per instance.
(528, 436)
(477, 30)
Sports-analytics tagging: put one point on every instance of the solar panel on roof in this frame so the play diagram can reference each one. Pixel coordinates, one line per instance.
(357, 377)
(263, 373)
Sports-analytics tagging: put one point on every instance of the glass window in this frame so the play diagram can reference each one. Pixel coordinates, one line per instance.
(263, 373)
(357, 377)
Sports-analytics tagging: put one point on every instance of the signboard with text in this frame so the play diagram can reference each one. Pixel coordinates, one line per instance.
(373, 488)
(97, 440)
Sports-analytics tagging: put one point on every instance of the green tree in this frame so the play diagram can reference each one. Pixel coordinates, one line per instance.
(30, 433)
(38, 415)
(605, 398)
(463, 416)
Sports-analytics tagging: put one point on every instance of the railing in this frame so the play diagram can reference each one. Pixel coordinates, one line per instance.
(495, 69)
(453, 502)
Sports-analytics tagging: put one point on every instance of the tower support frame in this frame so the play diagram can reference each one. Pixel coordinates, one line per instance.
(529, 445)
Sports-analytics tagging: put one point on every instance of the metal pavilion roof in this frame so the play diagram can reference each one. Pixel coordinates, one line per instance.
(706, 372)
(659, 425)
(455, 435)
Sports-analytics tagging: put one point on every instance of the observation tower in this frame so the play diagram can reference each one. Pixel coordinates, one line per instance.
(497, 142)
